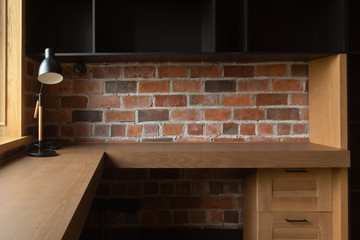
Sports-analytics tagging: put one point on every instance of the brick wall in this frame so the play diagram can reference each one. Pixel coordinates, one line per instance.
(187, 101)
(196, 198)
(191, 101)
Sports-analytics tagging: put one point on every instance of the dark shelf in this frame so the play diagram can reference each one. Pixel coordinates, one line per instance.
(143, 57)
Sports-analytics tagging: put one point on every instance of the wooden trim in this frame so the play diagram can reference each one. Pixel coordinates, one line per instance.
(340, 204)
(3, 23)
(328, 101)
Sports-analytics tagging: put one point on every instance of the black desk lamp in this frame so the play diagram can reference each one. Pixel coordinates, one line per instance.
(49, 73)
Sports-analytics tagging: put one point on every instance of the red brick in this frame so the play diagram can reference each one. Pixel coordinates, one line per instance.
(198, 173)
(101, 130)
(219, 202)
(137, 101)
(67, 131)
(229, 140)
(215, 216)
(237, 100)
(283, 129)
(148, 217)
(233, 187)
(139, 72)
(304, 113)
(282, 114)
(154, 86)
(83, 130)
(121, 140)
(119, 116)
(197, 217)
(287, 85)
(299, 70)
(230, 128)
(106, 72)
(205, 71)
(239, 202)
(74, 102)
(167, 188)
(253, 85)
(170, 101)
(86, 87)
(153, 115)
(134, 130)
(186, 86)
(265, 129)
(186, 115)
(172, 129)
(151, 130)
(212, 129)
(238, 71)
(204, 100)
(169, 71)
(299, 128)
(217, 114)
(186, 202)
(271, 70)
(301, 99)
(56, 116)
(271, 99)
(62, 88)
(231, 216)
(104, 101)
(249, 114)
(195, 129)
(117, 130)
(154, 202)
(247, 129)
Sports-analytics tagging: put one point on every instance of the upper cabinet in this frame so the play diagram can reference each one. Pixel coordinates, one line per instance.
(183, 27)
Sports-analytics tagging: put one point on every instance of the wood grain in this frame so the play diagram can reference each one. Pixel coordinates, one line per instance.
(225, 155)
(3, 23)
(42, 197)
(328, 101)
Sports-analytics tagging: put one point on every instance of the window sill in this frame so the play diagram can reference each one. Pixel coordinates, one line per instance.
(8, 143)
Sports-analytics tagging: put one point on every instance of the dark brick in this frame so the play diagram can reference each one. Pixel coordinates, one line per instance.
(185, 202)
(133, 189)
(231, 216)
(230, 128)
(86, 116)
(51, 131)
(117, 130)
(151, 188)
(117, 189)
(154, 202)
(220, 86)
(204, 173)
(153, 115)
(167, 188)
(183, 188)
(181, 217)
(157, 140)
(130, 174)
(165, 173)
(216, 187)
(165, 217)
(283, 114)
(229, 173)
(120, 87)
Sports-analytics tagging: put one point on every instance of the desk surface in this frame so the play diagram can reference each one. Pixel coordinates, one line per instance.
(48, 198)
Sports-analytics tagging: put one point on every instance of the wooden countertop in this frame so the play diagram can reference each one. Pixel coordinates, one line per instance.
(48, 198)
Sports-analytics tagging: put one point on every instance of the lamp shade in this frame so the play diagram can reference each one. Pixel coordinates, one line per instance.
(50, 70)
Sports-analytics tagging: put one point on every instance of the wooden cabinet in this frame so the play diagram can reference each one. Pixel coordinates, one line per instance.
(290, 204)
(295, 225)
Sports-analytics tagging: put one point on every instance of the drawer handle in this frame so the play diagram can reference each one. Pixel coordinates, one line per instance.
(294, 170)
(296, 220)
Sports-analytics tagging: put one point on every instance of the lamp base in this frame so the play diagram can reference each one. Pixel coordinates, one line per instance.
(42, 153)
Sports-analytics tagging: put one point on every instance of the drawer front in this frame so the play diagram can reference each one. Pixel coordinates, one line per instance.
(291, 226)
(295, 190)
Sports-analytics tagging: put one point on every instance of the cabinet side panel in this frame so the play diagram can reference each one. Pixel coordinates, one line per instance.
(328, 102)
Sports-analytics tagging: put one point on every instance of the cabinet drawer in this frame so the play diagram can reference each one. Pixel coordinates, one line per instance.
(314, 226)
(295, 190)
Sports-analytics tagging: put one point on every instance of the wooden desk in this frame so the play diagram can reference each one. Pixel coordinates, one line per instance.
(48, 198)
